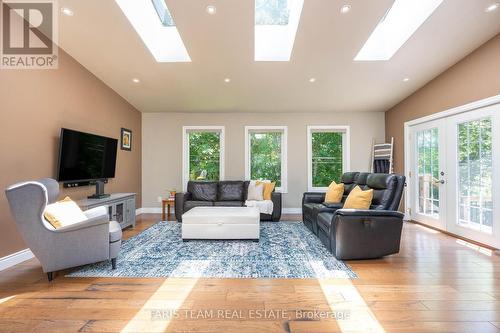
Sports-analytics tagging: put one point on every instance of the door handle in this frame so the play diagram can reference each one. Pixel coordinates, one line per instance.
(439, 181)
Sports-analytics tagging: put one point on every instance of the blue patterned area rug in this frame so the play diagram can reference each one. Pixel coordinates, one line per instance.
(285, 250)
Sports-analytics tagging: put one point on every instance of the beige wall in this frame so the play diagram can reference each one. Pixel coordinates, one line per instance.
(162, 146)
(475, 77)
(34, 105)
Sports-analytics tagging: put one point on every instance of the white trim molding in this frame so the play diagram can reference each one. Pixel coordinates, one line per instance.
(291, 211)
(439, 115)
(185, 150)
(284, 151)
(346, 150)
(15, 258)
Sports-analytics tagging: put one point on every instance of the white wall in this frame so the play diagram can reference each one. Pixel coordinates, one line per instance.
(162, 146)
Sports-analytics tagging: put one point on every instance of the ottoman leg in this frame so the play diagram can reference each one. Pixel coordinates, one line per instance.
(113, 263)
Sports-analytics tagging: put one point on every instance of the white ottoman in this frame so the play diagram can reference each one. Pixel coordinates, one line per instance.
(221, 223)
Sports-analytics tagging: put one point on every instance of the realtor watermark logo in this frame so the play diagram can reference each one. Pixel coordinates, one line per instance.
(29, 34)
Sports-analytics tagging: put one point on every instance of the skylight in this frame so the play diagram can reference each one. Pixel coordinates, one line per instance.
(395, 28)
(154, 24)
(276, 23)
(163, 13)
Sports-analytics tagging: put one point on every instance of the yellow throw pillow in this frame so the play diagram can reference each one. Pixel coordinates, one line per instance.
(268, 189)
(63, 213)
(334, 193)
(359, 199)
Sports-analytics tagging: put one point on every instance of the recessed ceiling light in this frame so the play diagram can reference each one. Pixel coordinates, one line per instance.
(211, 9)
(227, 80)
(66, 11)
(312, 80)
(136, 80)
(492, 7)
(395, 28)
(406, 79)
(345, 9)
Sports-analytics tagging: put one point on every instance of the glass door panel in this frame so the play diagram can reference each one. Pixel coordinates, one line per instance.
(475, 179)
(427, 176)
(428, 172)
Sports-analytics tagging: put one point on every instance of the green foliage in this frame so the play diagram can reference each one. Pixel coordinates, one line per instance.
(326, 158)
(204, 155)
(265, 151)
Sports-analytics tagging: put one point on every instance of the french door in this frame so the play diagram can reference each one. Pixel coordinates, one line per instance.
(454, 179)
(428, 174)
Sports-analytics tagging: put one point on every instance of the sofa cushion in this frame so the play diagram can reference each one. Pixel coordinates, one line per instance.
(191, 204)
(229, 203)
(230, 191)
(203, 191)
(334, 193)
(359, 199)
(384, 188)
(255, 192)
(268, 188)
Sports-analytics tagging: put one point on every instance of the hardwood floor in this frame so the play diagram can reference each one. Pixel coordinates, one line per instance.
(435, 284)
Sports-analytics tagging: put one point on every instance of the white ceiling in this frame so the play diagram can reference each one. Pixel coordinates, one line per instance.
(101, 38)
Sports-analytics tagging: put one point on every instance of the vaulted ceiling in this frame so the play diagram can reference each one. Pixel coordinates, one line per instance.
(221, 46)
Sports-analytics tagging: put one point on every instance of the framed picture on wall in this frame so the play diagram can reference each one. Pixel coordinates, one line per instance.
(126, 139)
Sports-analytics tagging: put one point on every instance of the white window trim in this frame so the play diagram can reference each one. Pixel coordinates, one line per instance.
(284, 152)
(185, 150)
(346, 151)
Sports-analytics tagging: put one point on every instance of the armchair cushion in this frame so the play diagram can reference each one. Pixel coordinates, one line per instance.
(64, 213)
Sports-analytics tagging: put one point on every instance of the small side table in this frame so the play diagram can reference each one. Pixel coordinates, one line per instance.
(169, 202)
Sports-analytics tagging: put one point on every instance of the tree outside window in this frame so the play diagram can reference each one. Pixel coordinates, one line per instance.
(327, 158)
(265, 156)
(204, 155)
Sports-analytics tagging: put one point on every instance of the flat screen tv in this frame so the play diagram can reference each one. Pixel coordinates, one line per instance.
(86, 157)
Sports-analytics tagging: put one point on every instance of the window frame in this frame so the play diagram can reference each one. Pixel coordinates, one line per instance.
(284, 152)
(185, 150)
(346, 150)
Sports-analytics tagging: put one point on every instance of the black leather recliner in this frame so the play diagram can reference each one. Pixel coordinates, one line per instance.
(227, 193)
(354, 233)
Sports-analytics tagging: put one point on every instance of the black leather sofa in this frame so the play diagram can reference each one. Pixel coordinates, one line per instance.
(228, 193)
(353, 233)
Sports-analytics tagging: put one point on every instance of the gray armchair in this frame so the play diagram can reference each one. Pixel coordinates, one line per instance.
(93, 240)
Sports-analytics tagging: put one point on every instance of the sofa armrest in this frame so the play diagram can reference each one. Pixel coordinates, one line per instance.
(180, 200)
(365, 234)
(313, 197)
(100, 211)
(276, 199)
(369, 213)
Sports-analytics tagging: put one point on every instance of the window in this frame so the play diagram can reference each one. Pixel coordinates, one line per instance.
(328, 155)
(203, 153)
(265, 154)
